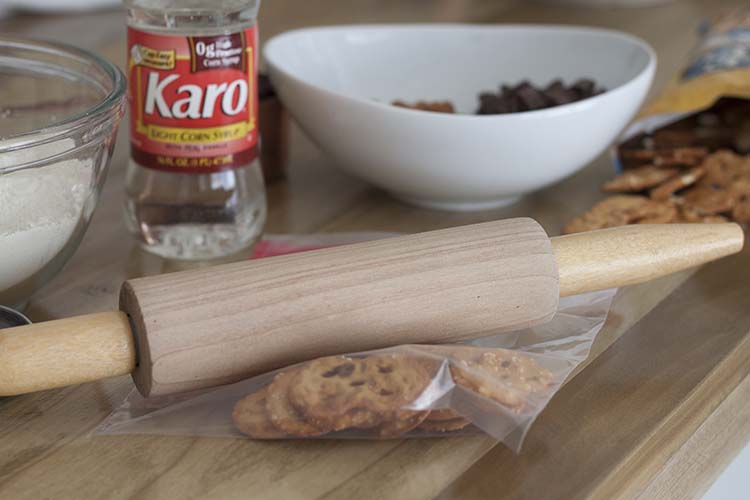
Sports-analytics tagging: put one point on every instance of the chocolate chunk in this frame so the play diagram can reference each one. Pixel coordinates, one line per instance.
(555, 85)
(493, 104)
(584, 88)
(523, 96)
(531, 97)
(561, 95)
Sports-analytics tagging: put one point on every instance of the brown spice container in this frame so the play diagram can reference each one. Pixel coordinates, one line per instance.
(274, 132)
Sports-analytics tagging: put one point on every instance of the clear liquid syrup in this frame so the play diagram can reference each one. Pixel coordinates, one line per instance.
(194, 216)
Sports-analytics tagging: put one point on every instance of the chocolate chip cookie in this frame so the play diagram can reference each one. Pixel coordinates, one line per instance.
(250, 417)
(506, 376)
(283, 414)
(340, 392)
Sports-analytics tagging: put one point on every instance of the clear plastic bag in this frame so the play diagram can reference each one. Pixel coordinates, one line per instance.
(497, 385)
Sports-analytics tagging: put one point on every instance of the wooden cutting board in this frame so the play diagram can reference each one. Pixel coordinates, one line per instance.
(609, 431)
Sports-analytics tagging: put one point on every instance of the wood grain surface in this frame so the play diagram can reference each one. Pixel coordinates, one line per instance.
(660, 394)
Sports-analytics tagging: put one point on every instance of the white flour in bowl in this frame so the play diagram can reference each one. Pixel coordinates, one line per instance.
(39, 210)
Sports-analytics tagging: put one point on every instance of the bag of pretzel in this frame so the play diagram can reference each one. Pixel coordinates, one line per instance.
(687, 156)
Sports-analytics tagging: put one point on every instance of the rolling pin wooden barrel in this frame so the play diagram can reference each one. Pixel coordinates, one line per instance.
(199, 328)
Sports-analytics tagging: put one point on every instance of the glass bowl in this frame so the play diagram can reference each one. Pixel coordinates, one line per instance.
(59, 111)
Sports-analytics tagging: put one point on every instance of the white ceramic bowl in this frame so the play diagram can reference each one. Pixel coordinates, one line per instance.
(337, 82)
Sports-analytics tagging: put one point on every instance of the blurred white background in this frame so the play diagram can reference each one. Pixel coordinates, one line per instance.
(9, 6)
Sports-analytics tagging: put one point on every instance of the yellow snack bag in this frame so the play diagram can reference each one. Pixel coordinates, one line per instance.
(719, 68)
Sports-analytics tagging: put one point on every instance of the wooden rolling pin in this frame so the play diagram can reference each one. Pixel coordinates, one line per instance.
(211, 326)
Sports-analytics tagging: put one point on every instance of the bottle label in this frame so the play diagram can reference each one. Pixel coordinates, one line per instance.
(193, 100)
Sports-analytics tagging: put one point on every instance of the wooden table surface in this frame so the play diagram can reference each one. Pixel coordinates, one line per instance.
(657, 411)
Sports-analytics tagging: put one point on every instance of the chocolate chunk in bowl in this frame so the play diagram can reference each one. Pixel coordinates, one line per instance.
(526, 96)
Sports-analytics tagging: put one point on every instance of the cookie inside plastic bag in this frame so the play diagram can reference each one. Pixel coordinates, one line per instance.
(497, 385)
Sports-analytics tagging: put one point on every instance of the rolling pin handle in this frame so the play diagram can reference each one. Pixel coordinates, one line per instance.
(65, 352)
(627, 255)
